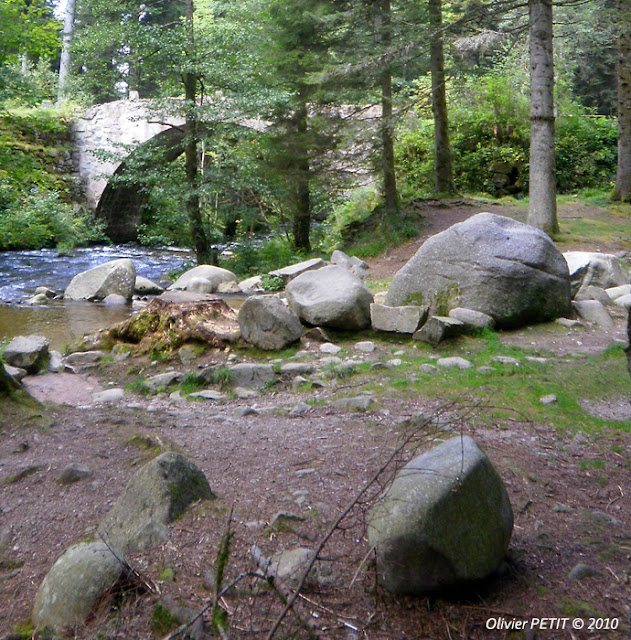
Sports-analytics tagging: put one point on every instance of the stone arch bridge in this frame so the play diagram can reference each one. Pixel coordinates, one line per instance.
(131, 130)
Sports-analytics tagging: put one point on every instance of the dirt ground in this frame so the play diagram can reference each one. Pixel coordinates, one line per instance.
(569, 493)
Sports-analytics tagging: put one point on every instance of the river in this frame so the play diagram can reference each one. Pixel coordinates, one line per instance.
(21, 272)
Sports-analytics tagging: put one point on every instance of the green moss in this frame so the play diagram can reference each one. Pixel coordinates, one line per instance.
(414, 299)
(162, 620)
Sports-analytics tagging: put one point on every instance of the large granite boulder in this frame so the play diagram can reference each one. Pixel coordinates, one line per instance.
(594, 268)
(446, 519)
(489, 263)
(205, 278)
(330, 297)
(28, 352)
(267, 323)
(158, 493)
(74, 586)
(116, 276)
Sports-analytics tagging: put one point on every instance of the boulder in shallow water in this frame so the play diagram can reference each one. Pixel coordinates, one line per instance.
(117, 276)
(204, 278)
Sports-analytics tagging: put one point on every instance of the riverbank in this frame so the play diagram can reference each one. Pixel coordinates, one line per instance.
(306, 448)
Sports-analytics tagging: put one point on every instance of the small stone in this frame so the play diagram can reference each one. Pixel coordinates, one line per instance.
(56, 362)
(428, 368)
(378, 365)
(485, 371)
(209, 394)
(395, 362)
(548, 400)
(301, 473)
(365, 347)
(162, 380)
(506, 360)
(74, 472)
(114, 300)
(187, 354)
(360, 403)
(16, 372)
(243, 393)
(283, 519)
(536, 359)
(110, 396)
(297, 368)
(80, 358)
(296, 382)
(330, 348)
(581, 571)
(298, 410)
(561, 508)
(569, 324)
(454, 362)
(244, 412)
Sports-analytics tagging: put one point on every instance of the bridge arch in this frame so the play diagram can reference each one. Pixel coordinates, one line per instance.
(122, 202)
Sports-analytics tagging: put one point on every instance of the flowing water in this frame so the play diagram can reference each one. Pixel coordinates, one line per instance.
(21, 272)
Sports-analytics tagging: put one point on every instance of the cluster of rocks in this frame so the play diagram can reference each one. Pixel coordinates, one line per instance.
(446, 519)
(155, 496)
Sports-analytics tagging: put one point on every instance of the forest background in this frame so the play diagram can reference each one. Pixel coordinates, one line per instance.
(452, 80)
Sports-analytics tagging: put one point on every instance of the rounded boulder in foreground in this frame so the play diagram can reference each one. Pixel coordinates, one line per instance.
(330, 297)
(267, 323)
(74, 585)
(445, 520)
(489, 263)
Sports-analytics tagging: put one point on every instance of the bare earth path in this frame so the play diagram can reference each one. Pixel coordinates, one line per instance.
(569, 490)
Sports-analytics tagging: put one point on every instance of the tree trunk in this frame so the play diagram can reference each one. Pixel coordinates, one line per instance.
(443, 172)
(64, 63)
(391, 201)
(542, 212)
(200, 240)
(300, 189)
(622, 190)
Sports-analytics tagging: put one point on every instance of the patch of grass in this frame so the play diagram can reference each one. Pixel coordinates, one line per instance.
(595, 463)
(138, 385)
(513, 391)
(574, 608)
(191, 383)
(222, 376)
(163, 621)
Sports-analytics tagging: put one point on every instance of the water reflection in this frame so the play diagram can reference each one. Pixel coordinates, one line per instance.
(60, 323)
(21, 272)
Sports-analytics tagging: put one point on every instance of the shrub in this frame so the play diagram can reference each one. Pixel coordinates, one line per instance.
(43, 220)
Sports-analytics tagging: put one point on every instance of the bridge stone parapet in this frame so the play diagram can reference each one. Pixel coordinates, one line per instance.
(112, 128)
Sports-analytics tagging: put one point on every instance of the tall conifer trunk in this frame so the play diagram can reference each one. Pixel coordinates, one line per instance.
(542, 211)
(443, 172)
(622, 190)
(300, 188)
(391, 201)
(198, 234)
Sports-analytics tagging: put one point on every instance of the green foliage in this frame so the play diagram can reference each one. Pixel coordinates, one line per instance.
(222, 376)
(251, 259)
(490, 144)
(44, 221)
(162, 620)
(272, 283)
(191, 383)
(586, 152)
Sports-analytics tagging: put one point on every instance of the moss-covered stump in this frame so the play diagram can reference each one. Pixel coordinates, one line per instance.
(175, 318)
